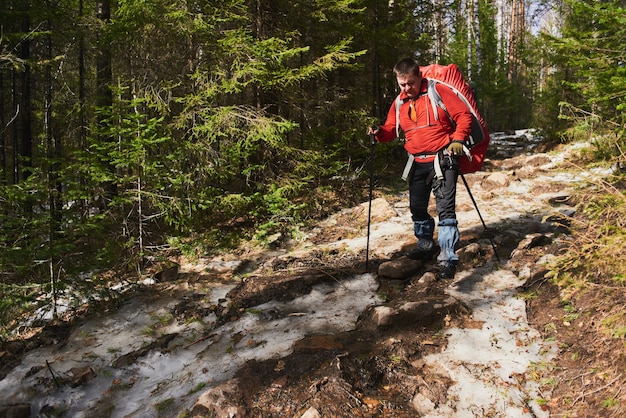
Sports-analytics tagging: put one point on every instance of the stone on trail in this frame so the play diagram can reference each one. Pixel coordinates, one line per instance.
(496, 181)
(220, 401)
(15, 411)
(400, 268)
(381, 211)
(311, 413)
(422, 405)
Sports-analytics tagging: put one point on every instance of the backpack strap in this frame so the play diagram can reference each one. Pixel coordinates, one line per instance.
(478, 131)
(435, 100)
(398, 106)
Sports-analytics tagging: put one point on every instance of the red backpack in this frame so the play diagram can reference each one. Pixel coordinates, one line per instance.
(451, 76)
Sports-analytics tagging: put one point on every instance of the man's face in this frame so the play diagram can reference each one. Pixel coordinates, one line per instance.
(409, 84)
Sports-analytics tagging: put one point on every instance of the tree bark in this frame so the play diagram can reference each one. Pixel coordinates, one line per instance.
(25, 147)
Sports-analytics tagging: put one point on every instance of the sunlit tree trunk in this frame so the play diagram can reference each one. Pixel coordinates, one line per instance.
(440, 30)
(516, 35)
(469, 16)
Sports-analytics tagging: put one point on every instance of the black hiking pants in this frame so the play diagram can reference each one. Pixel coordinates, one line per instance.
(421, 179)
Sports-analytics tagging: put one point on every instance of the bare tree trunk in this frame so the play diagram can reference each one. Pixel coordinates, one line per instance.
(14, 127)
(54, 187)
(81, 83)
(440, 33)
(517, 28)
(477, 40)
(82, 120)
(3, 127)
(469, 16)
(25, 148)
(104, 76)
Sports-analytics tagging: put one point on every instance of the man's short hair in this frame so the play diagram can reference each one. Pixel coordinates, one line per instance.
(407, 66)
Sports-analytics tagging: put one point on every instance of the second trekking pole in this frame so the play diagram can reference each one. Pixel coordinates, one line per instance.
(369, 210)
(493, 245)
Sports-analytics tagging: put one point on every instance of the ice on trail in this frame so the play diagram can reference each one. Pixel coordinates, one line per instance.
(487, 363)
(483, 362)
(201, 356)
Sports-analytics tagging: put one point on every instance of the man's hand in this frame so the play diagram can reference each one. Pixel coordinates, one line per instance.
(373, 130)
(455, 148)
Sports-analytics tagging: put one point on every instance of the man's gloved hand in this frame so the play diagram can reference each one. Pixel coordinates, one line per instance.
(373, 130)
(455, 148)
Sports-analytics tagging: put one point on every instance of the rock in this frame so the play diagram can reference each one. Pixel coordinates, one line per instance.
(538, 160)
(400, 268)
(526, 172)
(168, 274)
(469, 253)
(496, 181)
(15, 411)
(533, 240)
(422, 405)
(222, 401)
(382, 316)
(428, 277)
(81, 375)
(562, 218)
(511, 164)
(413, 313)
(559, 199)
(221, 266)
(410, 307)
(311, 413)
(381, 211)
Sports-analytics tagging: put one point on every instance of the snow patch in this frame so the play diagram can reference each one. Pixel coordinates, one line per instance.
(484, 362)
(201, 356)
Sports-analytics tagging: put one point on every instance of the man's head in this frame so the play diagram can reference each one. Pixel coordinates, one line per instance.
(408, 76)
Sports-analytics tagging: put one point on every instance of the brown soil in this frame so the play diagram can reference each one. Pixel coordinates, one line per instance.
(589, 374)
(376, 372)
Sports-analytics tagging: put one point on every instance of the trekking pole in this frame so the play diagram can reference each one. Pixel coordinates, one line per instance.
(493, 245)
(369, 211)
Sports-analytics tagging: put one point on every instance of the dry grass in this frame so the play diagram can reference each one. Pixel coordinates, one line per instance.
(591, 276)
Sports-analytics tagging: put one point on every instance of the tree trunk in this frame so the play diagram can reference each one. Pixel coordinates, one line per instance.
(104, 75)
(82, 103)
(54, 186)
(25, 145)
(104, 78)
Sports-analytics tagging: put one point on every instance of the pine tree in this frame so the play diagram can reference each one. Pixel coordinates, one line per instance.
(589, 59)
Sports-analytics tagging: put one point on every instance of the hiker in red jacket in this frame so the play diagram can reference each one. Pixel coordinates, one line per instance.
(426, 137)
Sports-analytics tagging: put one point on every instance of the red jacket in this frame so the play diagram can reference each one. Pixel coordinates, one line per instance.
(428, 135)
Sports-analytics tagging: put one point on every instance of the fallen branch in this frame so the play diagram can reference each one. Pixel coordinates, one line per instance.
(582, 396)
(205, 337)
(56, 383)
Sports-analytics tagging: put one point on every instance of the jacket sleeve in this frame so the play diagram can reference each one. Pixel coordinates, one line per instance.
(458, 111)
(388, 129)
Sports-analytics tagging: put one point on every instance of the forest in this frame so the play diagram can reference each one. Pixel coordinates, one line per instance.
(135, 128)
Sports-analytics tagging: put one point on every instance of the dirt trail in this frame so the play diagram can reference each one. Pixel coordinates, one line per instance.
(460, 348)
(305, 332)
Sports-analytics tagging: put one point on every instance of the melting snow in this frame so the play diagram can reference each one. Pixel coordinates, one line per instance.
(264, 332)
(483, 362)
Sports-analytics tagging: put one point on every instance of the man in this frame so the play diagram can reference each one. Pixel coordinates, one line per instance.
(425, 138)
